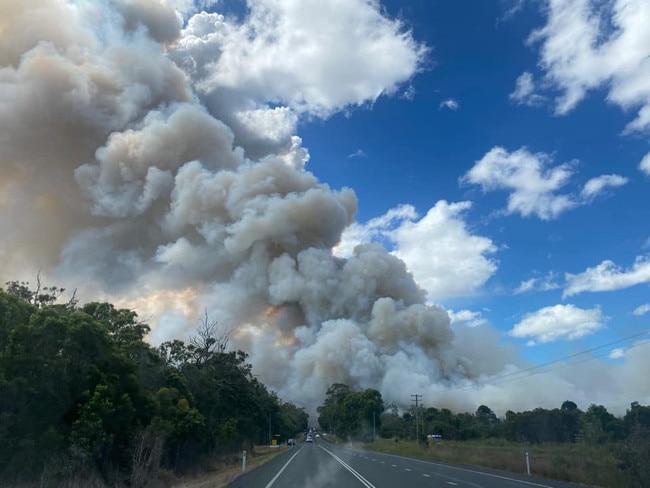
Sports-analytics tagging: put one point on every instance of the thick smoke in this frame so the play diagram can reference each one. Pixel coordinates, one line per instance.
(145, 160)
(151, 159)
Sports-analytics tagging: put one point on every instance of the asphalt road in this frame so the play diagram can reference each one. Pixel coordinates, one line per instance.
(322, 465)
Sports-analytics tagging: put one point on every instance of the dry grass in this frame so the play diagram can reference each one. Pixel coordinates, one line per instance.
(220, 472)
(592, 465)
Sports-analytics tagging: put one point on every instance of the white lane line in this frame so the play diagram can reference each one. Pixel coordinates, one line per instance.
(355, 473)
(530, 483)
(426, 475)
(394, 465)
(407, 469)
(283, 468)
(452, 483)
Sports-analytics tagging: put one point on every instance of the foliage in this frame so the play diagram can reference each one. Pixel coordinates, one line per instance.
(84, 397)
(349, 413)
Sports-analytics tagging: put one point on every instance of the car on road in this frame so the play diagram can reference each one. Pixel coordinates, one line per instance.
(309, 439)
(291, 442)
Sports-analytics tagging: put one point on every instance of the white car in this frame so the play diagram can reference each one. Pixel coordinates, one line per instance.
(309, 439)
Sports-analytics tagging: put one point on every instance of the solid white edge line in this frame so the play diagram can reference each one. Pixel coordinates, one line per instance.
(283, 468)
(355, 473)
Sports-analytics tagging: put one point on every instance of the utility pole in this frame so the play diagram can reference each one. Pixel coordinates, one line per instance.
(416, 398)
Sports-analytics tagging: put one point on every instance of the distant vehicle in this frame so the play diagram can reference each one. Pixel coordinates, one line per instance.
(291, 442)
(309, 439)
(317, 436)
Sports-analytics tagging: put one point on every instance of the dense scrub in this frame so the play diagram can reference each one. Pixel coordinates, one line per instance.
(86, 401)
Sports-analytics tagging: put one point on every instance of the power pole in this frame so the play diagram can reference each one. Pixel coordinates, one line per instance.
(416, 398)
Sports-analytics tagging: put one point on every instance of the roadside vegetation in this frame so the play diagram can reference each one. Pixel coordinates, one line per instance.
(592, 447)
(85, 401)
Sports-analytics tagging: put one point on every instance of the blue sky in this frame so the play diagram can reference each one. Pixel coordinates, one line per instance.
(416, 151)
(178, 157)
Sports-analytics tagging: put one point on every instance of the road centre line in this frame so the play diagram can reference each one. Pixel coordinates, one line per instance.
(283, 468)
(355, 473)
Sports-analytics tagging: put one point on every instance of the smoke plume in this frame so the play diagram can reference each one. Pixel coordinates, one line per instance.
(148, 156)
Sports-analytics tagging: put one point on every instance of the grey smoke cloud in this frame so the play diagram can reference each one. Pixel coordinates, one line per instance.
(164, 168)
(154, 162)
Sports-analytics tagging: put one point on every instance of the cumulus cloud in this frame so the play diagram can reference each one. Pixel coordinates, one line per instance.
(607, 276)
(376, 229)
(588, 45)
(444, 257)
(558, 322)
(534, 186)
(295, 54)
(466, 317)
(452, 262)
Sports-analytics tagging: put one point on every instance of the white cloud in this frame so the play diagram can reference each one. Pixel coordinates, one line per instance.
(617, 353)
(644, 165)
(590, 44)
(524, 93)
(533, 187)
(558, 322)
(545, 283)
(596, 186)
(444, 258)
(359, 153)
(375, 229)
(450, 104)
(642, 309)
(608, 277)
(313, 56)
(466, 317)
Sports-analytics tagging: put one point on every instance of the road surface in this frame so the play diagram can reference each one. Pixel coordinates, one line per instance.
(323, 465)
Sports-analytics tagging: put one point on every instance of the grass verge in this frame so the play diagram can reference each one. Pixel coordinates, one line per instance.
(217, 473)
(585, 464)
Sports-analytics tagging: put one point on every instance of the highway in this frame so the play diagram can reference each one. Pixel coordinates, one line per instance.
(322, 465)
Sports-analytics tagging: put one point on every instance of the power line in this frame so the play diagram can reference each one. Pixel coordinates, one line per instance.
(532, 371)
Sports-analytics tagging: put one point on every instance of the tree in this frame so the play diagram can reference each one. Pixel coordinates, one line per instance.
(487, 420)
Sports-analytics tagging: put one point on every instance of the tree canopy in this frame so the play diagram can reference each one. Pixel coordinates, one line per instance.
(83, 394)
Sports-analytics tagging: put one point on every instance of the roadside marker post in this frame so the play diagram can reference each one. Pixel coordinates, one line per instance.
(243, 462)
(527, 464)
